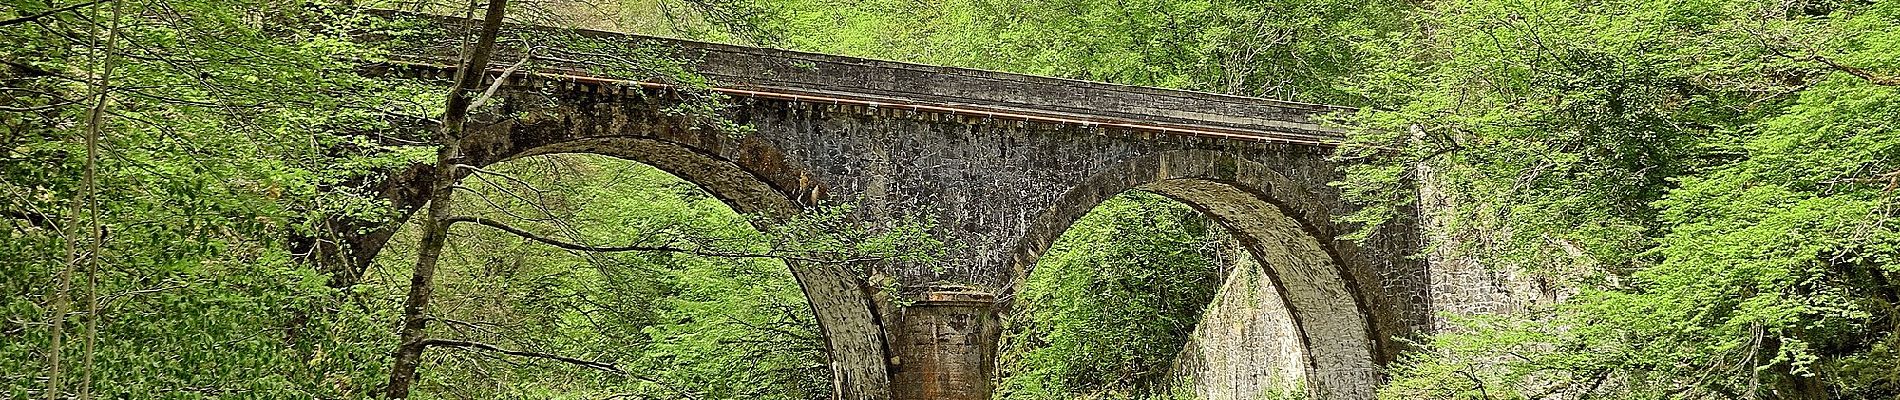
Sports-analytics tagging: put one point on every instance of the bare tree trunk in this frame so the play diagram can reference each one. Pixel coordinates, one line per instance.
(88, 201)
(97, 235)
(436, 222)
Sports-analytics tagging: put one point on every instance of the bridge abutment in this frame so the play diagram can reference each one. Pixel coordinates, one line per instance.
(944, 345)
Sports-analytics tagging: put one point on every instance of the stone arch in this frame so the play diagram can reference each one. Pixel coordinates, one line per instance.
(730, 182)
(750, 175)
(1274, 220)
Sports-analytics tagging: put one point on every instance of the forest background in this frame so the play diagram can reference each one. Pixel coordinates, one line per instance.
(1708, 184)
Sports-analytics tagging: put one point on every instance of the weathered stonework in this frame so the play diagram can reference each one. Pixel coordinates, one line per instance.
(945, 345)
(1246, 345)
(1461, 285)
(1003, 164)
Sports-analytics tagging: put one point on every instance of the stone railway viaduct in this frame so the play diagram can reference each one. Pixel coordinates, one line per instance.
(1004, 163)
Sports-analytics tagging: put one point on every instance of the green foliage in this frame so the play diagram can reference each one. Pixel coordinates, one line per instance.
(1107, 309)
(1551, 118)
(721, 317)
(226, 121)
(678, 325)
(233, 125)
(1298, 50)
(1712, 178)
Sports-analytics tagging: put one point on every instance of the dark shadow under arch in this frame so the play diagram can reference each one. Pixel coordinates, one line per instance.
(1267, 213)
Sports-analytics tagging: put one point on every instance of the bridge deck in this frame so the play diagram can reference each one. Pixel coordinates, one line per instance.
(742, 71)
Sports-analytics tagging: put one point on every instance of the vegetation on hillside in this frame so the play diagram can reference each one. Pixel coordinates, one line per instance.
(1712, 180)
(1711, 183)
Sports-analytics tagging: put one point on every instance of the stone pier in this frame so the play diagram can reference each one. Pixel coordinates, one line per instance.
(945, 344)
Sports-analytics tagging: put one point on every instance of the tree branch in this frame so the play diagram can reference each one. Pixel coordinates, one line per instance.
(1813, 56)
(44, 14)
(1475, 381)
(503, 78)
(31, 218)
(560, 243)
(665, 248)
(522, 353)
(38, 108)
(28, 70)
(1877, 79)
(782, 331)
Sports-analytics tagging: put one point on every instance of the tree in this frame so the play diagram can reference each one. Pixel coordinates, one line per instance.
(1109, 307)
(436, 220)
(220, 121)
(1691, 172)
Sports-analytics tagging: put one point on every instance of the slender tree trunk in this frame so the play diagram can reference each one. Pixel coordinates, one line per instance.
(87, 200)
(435, 222)
(96, 237)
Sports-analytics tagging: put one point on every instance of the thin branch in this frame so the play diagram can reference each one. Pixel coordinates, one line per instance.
(662, 248)
(1813, 56)
(539, 194)
(38, 108)
(1877, 79)
(559, 243)
(29, 70)
(1475, 381)
(782, 331)
(492, 204)
(92, 197)
(44, 14)
(522, 353)
(31, 218)
(503, 78)
(106, 302)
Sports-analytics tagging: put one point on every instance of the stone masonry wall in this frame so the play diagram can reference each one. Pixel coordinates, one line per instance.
(1460, 284)
(1245, 346)
(1001, 164)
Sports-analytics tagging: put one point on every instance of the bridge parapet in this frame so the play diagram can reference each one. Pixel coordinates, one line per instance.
(741, 71)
